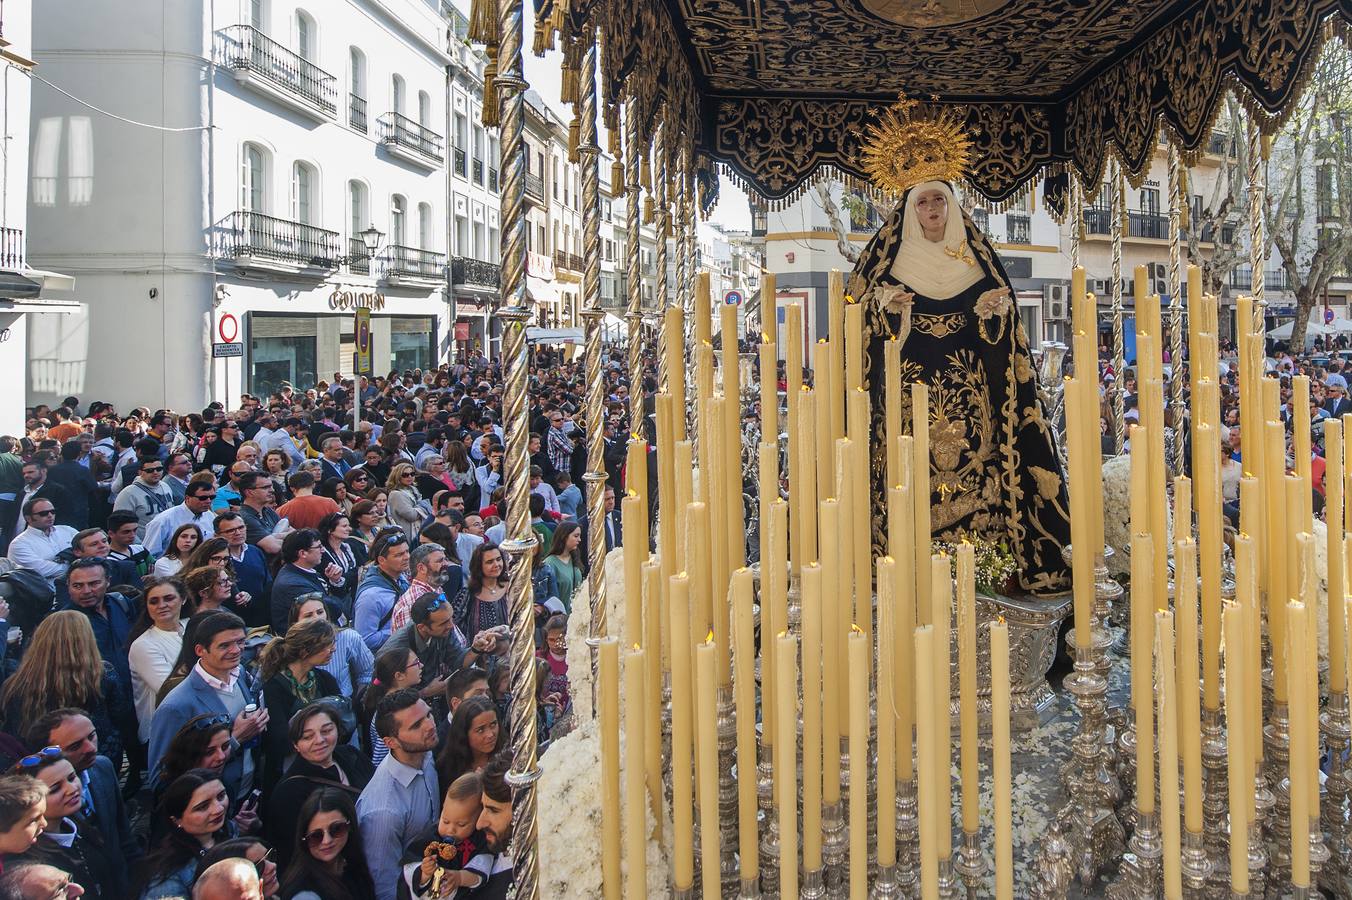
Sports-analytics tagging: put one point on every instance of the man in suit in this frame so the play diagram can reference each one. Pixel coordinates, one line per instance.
(613, 528)
(216, 686)
(36, 484)
(77, 481)
(1337, 403)
(72, 730)
(334, 462)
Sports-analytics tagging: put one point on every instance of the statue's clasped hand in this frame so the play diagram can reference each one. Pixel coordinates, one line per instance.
(995, 302)
(893, 298)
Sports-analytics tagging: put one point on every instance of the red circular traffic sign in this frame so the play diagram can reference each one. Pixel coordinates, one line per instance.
(228, 328)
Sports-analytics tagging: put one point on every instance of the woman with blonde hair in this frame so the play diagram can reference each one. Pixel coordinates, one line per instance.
(62, 667)
(405, 508)
(289, 668)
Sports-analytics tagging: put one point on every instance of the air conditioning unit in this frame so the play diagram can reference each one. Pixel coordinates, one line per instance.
(1054, 301)
(1159, 279)
(1101, 288)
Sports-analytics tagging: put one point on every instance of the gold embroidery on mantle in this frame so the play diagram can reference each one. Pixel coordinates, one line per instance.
(939, 326)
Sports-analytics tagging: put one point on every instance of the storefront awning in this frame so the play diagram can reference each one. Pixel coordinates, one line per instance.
(554, 336)
(541, 291)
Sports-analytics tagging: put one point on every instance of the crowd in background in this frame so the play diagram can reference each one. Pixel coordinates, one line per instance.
(260, 652)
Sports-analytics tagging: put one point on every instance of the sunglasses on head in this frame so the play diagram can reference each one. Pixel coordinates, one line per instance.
(46, 754)
(210, 722)
(336, 830)
(262, 863)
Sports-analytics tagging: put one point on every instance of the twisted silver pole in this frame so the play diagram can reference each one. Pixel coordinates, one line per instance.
(1076, 221)
(663, 214)
(589, 153)
(1119, 352)
(1257, 236)
(631, 265)
(520, 545)
(1175, 461)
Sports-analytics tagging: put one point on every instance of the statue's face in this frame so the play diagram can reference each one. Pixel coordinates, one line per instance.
(932, 207)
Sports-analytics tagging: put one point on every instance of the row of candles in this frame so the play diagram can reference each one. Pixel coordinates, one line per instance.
(693, 623)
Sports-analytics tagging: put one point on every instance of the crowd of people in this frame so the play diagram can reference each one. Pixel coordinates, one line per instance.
(259, 652)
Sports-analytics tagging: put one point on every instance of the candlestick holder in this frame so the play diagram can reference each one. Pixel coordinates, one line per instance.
(1258, 858)
(908, 837)
(683, 893)
(1138, 877)
(765, 801)
(1215, 801)
(885, 885)
(1108, 597)
(729, 871)
(795, 604)
(1196, 865)
(1126, 769)
(970, 866)
(1276, 750)
(1319, 850)
(835, 844)
(813, 886)
(1337, 731)
(1054, 866)
(749, 890)
(948, 884)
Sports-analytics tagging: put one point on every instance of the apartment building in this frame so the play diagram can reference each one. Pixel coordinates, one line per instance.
(297, 171)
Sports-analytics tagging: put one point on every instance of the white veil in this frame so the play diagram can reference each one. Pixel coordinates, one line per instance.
(935, 269)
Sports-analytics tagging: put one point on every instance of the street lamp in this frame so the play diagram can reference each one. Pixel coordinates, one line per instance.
(371, 238)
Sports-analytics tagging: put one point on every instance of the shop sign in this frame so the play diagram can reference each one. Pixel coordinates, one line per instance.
(341, 299)
(362, 337)
(462, 331)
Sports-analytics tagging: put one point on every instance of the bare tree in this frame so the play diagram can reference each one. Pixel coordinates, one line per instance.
(838, 225)
(866, 213)
(1221, 216)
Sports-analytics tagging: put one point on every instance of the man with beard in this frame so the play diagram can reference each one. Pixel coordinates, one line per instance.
(402, 799)
(495, 821)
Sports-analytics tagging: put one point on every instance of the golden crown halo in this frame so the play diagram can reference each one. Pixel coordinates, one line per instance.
(913, 143)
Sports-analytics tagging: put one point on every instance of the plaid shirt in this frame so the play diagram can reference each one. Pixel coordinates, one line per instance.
(404, 605)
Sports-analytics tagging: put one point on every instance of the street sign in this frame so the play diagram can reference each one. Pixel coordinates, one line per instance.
(733, 298)
(362, 332)
(227, 328)
(228, 350)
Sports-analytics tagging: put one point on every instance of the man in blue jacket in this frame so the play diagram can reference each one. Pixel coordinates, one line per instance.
(217, 686)
(382, 585)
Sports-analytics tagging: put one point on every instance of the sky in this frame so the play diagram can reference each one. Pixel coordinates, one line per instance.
(543, 74)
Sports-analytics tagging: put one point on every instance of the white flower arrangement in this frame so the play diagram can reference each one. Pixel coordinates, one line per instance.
(1117, 513)
(579, 627)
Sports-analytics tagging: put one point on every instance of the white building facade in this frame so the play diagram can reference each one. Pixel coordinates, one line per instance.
(302, 127)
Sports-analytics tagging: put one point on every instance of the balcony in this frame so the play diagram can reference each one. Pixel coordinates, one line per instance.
(401, 264)
(475, 275)
(1018, 228)
(1220, 144)
(405, 139)
(255, 240)
(535, 188)
(260, 63)
(356, 112)
(12, 250)
(1149, 224)
(477, 170)
(358, 257)
(458, 161)
(492, 179)
(568, 261)
(1241, 279)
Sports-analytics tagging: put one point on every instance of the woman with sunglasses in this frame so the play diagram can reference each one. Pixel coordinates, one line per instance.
(194, 815)
(358, 482)
(181, 545)
(68, 841)
(405, 502)
(156, 641)
(253, 850)
(327, 860)
(365, 522)
(322, 759)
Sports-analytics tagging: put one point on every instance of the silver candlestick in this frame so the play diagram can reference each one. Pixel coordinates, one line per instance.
(908, 837)
(769, 843)
(1276, 747)
(1138, 877)
(948, 884)
(970, 866)
(1215, 801)
(1195, 864)
(1334, 724)
(729, 871)
(814, 885)
(835, 844)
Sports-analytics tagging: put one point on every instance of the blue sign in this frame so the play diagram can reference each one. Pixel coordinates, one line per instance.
(733, 298)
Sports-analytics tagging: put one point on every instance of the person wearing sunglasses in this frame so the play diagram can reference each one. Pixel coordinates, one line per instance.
(328, 861)
(381, 587)
(68, 841)
(195, 508)
(147, 496)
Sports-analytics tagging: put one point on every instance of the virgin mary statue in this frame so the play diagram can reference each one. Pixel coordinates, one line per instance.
(931, 280)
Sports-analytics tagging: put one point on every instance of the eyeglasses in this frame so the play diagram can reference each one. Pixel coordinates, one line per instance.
(261, 865)
(43, 512)
(333, 832)
(46, 754)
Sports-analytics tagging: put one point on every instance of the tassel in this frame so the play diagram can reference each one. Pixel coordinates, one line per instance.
(574, 139)
(649, 210)
(613, 134)
(483, 22)
(645, 175)
(568, 88)
(617, 186)
(490, 100)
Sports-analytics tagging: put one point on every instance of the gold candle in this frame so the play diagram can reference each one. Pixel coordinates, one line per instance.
(1300, 446)
(921, 498)
(859, 666)
(892, 390)
(933, 778)
(812, 716)
(706, 677)
(631, 508)
(685, 462)
(668, 535)
(1168, 713)
(769, 391)
(828, 535)
(888, 719)
(808, 464)
(844, 604)
(609, 653)
(967, 724)
(835, 291)
(775, 604)
(1188, 711)
(635, 766)
(1337, 574)
(1142, 669)
(1082, 469)
(656, 628)
(826, 448)
(675, 324)
(941, 581)
(744, 684)
(786, 772)
(903, 596)
(854, 346)
(861, 519)
(1278, 590)
(1206, 438)
(703, 314)
(697, 540)
(1004, 783)
(636, 479)
(767, 469)
(682, 736)
(1239, 776)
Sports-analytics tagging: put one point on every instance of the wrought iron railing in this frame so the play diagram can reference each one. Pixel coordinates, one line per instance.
(1241, 279)
(245, 47)
(1147, 224)
(356, 112)
(400, 260)
(358, 257)
(535, 186)
(1018, 228)
(981, 218)
(492, 179)
(465, 270)
(245, 233)
(477, 171)
(1220, 142)
(11, 248)
(399, 129)
(560, 259)
(564, 260)
(458, 161)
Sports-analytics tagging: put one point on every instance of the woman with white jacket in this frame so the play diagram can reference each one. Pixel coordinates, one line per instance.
(157, 638)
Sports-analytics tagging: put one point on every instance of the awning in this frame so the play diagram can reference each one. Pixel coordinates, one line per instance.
(554, 336)
(18, 287)
(541, 291)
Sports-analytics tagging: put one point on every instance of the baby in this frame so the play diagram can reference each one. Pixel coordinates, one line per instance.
(453, 854)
